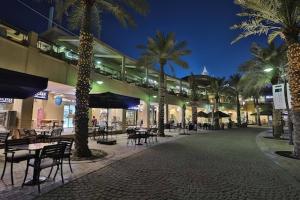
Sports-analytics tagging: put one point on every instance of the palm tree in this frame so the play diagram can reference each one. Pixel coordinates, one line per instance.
(234, 85)
(254, 71)
(85, 15)
(250, 90)
(277, 18)
(162, 50)
(193, 98)
(217, 88)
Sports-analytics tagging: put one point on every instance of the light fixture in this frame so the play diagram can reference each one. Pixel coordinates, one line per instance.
(98, 62)
(99, 82)
(154, 96)
(268, 69)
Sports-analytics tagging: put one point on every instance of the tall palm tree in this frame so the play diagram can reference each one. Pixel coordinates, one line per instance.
(217, 88)
(162, 50)
(193, 98)
(85, 15)
(254, 71)
(277, 18)
(250, 90)
(234, 81)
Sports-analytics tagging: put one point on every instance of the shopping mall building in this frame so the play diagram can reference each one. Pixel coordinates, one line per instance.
(53, 54)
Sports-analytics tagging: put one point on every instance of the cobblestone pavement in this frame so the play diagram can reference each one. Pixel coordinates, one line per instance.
(216, 166)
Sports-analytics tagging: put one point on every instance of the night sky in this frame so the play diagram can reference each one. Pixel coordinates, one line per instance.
(203, 24)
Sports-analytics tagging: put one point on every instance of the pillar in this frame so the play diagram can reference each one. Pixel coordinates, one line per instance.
(148, 115)
(166, 113)
(124, 124)
(183, 116)
(25, 117)
(33, 39)
(123, 68)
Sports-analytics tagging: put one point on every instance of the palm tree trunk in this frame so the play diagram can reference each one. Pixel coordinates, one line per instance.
(294, 81)
(257, 112)
(277, 123)
(194, 113)
(161, 103)
(83, 84)
(217, 119)
(238, 109)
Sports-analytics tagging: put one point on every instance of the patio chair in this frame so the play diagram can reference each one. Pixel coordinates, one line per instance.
(153, 133)
(13, 155)
(30, 134)
(54, 133)
(50, 156)
(131, 136)
(3, 138)
(68, 150)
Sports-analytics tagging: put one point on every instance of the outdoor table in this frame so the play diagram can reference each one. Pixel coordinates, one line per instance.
(36, 147)
(42, 131)
(141, 132)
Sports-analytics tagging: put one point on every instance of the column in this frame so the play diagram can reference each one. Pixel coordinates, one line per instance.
(124, 124)
(148, 114)
(123, 69)
(26, 108)
(166, 113)
(183, 116)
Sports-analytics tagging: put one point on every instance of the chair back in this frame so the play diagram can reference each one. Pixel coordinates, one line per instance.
(3, 137)
(56, 132)
(55, 151)
(29, 132)
(10, 144)
(68, 142)
(130, 131)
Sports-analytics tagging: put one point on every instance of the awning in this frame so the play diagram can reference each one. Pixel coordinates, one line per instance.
(220, 114)
(20, 85)
(202, 114)
(265, 113)
(111, 100)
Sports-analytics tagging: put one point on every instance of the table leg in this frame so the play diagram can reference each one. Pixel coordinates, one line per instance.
(36, 179)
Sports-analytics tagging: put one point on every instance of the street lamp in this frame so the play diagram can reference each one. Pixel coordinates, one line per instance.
(268, 69)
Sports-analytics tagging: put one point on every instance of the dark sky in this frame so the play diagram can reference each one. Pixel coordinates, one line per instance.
(204, 24)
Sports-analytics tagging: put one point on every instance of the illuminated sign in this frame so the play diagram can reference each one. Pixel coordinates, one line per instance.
(41, 95)
(6, 100)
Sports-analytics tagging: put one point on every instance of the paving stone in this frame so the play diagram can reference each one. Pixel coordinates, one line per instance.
(219, 165)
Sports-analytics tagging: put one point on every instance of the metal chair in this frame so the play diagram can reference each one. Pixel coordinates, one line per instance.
(13, 155)
(3, 138)
(131, 136)
(68, 151)
(50, 156)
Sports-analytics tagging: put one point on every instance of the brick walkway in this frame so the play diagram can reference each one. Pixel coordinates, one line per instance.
(80, 168)
(215, 166)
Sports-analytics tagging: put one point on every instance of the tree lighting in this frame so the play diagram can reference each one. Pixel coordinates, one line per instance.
(268, 69)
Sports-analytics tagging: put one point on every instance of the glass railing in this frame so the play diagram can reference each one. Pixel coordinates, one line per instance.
(71, 57)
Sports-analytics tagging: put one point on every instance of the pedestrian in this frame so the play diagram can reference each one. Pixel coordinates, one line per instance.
(94, 121)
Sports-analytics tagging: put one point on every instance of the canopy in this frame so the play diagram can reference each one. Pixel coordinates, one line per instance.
(219, 113)
(20, 85)
(111, 100)
(265, 113)
(202, 114)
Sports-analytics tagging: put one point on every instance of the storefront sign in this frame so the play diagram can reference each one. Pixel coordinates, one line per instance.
(279, 97)
(6, 100)
(41, 95)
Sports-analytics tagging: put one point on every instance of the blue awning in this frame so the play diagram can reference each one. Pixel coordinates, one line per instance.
(20, 85)
(111, 100)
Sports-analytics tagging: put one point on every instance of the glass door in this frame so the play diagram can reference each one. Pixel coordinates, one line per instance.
(69, 112)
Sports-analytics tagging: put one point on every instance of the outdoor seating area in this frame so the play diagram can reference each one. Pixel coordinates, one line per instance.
(39, 153)
(140, 136)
